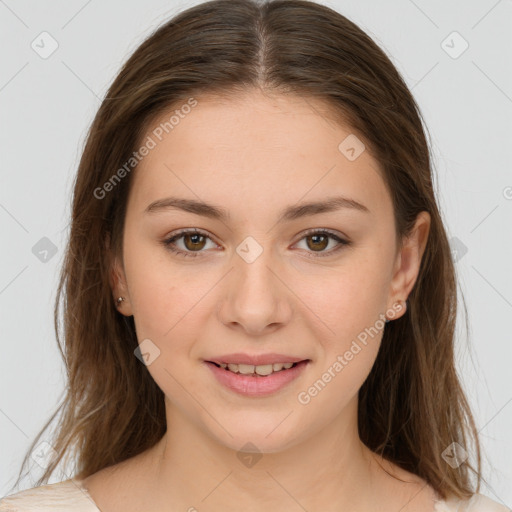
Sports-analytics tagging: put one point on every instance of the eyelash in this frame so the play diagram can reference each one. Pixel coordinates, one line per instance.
(169, 242)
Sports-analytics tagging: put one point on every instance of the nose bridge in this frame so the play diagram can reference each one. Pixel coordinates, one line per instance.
(254, 268)
(256, 295)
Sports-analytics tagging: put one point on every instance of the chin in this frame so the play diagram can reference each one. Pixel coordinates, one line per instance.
(259, 432)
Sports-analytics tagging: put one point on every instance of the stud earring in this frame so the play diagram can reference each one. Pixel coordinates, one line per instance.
(119, 300)
(406, 306)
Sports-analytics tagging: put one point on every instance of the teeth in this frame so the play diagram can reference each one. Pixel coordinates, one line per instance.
(250, 369)
(245, 368)
(264, 369)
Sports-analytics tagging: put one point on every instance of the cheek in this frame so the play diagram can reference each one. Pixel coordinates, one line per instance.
(348, 321)
(161, 293)
(343, 301)
(170, 313)
(329, 393)
(342, 368)
(167, 312)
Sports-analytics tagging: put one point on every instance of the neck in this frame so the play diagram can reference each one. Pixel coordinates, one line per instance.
(192, 469)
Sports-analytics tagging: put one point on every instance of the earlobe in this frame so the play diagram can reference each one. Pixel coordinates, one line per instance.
(120, 289)
(117, 281)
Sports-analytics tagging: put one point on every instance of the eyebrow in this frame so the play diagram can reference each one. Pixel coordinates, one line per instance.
(290, 213)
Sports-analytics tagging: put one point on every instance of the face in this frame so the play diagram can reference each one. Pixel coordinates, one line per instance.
(260, 278)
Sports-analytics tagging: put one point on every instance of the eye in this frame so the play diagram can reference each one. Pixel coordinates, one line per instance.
(195, 240)
(318, 240)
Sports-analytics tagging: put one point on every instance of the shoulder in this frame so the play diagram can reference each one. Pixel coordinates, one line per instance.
(477, 503)
(66, 495)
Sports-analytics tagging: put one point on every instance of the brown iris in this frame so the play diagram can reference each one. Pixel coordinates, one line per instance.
(323, 244)
(197, 241)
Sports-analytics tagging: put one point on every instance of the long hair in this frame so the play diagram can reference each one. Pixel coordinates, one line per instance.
(412, 406)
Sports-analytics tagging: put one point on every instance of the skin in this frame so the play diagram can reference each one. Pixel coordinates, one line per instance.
(254, 155)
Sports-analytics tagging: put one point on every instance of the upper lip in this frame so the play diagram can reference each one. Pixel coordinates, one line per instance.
(255, 360)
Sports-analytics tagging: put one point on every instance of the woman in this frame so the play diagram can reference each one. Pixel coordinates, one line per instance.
(260, 299)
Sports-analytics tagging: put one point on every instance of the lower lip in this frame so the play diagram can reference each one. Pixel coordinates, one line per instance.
(248, 385)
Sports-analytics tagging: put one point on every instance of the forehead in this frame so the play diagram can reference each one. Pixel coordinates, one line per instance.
(255, 150)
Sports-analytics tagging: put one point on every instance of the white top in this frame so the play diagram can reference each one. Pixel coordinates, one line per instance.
(71, 495)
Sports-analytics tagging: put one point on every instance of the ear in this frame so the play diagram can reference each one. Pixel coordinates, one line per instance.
(408, 260)
(117, 281)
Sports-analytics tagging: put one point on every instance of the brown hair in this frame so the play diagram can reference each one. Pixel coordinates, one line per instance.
(411, 407)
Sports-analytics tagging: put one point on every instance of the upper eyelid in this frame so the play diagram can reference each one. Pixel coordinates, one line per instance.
(190, 231)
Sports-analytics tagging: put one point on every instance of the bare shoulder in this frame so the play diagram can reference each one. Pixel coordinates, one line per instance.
(407, 490)
(416, 495)
(120, 486)
(107, 486)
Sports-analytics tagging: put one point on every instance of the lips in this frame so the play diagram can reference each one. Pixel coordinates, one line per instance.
(257, 375)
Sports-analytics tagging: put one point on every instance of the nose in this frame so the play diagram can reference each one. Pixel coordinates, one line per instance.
(255, 299)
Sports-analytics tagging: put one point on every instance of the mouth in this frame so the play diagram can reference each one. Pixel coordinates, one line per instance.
(262, 370)
(257, 380)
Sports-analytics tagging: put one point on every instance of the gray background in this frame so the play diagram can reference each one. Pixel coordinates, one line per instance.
(47, 105)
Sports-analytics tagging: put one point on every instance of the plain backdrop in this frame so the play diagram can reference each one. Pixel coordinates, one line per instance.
(455, 56)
